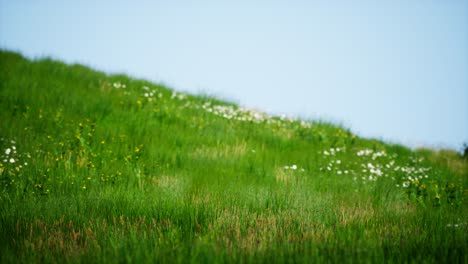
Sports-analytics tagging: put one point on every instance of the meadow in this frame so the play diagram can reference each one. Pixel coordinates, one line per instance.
(99, 168)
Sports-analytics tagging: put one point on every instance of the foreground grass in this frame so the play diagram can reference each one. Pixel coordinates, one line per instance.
(98, 168)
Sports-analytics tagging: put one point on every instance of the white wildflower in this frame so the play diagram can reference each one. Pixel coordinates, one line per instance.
(7, 151)
(377, 172)
(364, 152)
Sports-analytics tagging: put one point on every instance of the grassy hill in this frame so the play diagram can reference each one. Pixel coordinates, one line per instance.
(106, 168)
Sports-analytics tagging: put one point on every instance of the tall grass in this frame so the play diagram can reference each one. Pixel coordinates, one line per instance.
(105, 168)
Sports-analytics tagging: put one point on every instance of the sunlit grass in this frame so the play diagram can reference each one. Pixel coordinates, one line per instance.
(98, 168)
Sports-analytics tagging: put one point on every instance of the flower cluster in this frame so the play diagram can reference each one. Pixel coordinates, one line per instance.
(457, 224)
(371, 153)
(151, 94)
(179, 96)
(293, 168)
(12, 163)
(333, 151)
(370, 166)
(231, 112)
(11, 156)
(119, 85)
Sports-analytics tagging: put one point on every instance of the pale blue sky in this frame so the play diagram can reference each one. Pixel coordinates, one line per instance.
(390, 69)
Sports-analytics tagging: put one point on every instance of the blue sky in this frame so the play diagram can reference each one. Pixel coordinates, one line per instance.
(393, 70)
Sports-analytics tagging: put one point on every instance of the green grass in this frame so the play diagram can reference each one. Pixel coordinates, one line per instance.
(106, 168)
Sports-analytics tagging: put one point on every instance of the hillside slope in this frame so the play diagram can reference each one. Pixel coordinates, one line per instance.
(100, 168)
